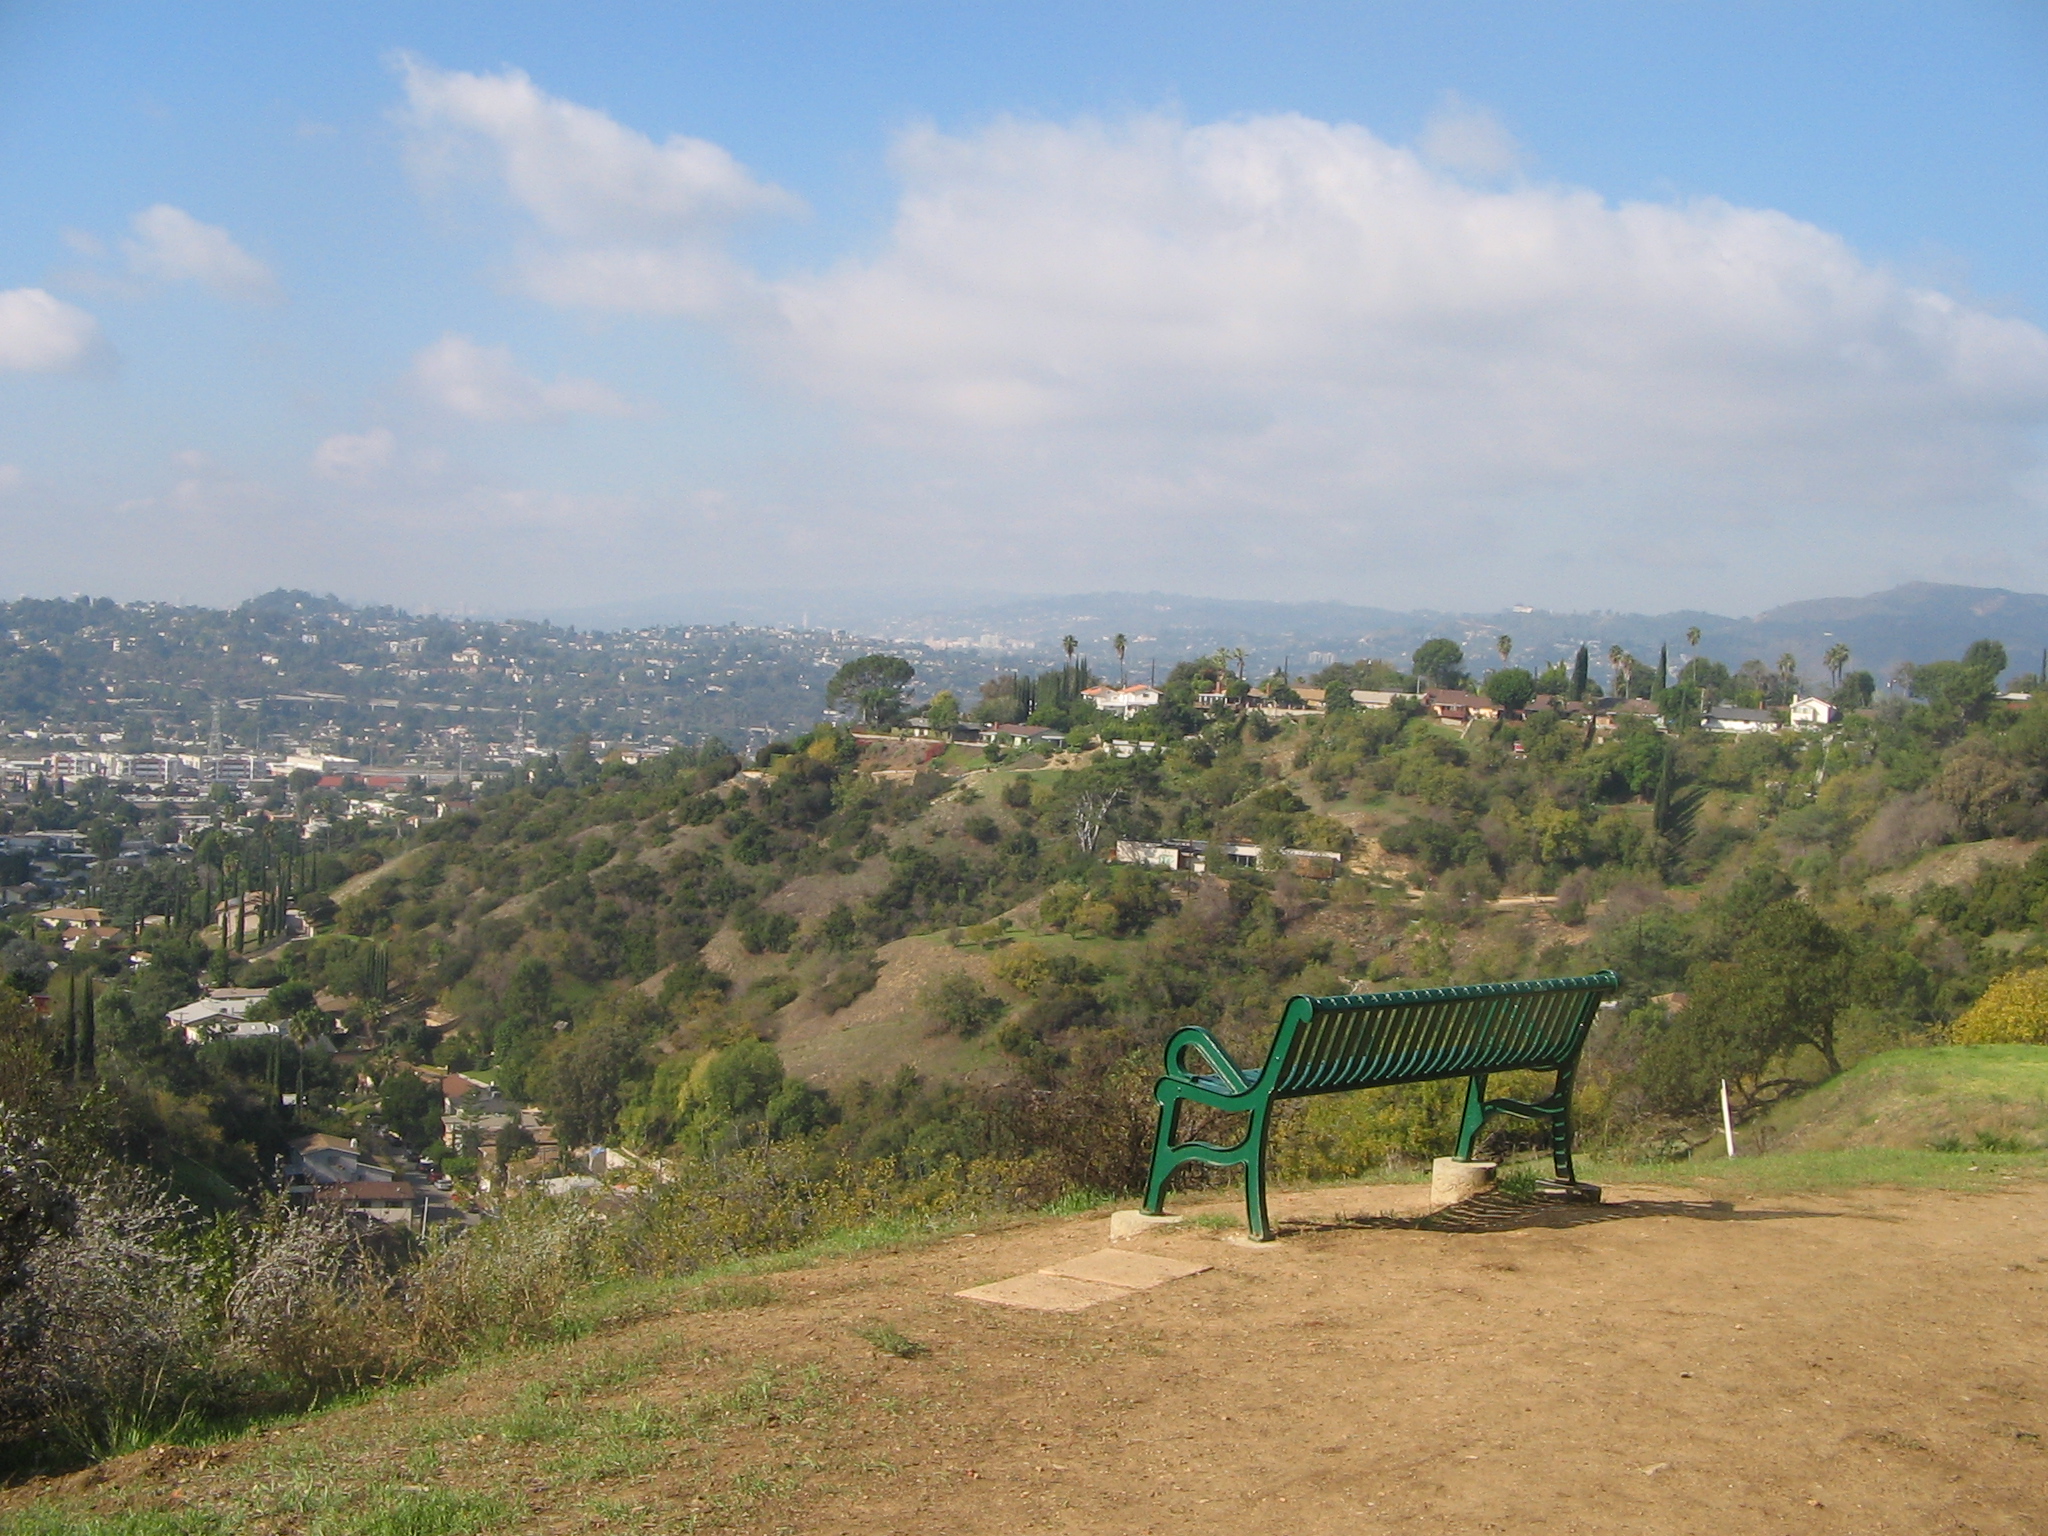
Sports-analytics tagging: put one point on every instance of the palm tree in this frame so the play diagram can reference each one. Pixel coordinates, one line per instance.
(1692, 637)
(1836, 659)
(1070, 645)
(1122, 643)
(1788, 674)
(1615, 654)
(1505, 645)
(1238, 655)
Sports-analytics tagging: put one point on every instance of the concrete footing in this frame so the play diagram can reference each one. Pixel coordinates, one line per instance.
(1123, 1224)
(1451, 1181)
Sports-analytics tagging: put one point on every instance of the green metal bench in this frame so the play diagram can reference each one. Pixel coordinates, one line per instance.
(1374, 1040)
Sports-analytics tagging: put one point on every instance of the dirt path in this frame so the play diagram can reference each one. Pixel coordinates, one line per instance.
(1660, 1364)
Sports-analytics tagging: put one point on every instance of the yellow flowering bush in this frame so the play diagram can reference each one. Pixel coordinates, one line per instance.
(2012, 1011)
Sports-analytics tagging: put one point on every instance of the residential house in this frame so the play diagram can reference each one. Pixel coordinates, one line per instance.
(1124, 701)
(1024, 736)
(1810, 714)
(1727, 719)
(1377, 698)
(1456, 704)
(1195, 857)
(385, 1200)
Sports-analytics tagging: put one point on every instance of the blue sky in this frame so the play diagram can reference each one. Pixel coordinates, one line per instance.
(507, 306)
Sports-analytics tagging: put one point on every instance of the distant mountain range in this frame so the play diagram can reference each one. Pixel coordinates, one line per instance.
(1920, 621)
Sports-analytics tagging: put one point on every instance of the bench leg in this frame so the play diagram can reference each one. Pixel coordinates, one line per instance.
(1561, 1130)
(1255, 1180)
(1162, 1159)
(1475, 1116)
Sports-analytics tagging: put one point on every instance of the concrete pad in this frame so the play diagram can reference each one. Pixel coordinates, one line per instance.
(1123, 1268)
(1044, 1293)
(1124, 1224)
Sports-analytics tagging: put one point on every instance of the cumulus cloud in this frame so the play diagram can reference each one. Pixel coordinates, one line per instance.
(172, 246)
(631, 223)
(1294, 345)
(1463, 137)
(356, 458)
(40, 333)
(484, 384)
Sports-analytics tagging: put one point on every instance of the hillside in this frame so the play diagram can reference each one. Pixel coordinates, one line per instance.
(1973, 1097)
(844, 980)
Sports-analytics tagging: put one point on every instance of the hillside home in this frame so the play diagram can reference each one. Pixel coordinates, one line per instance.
(1024, 736)
(1729, 720)
(1810, 714)
(1456, 704)
(1124, 701)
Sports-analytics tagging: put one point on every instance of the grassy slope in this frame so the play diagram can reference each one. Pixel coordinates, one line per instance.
(1922, 1098)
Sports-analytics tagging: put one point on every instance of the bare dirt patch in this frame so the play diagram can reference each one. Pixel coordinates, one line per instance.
(1957, 864)
(1664, 1363)
(886, 1028)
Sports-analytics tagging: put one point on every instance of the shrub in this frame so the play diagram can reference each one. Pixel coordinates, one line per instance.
(2012, 1011)
(958, 1005)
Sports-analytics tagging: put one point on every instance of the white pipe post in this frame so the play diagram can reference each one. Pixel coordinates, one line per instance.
(1727, 1120)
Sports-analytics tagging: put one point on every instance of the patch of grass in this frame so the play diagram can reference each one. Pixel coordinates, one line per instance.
(892, 1342)
(1077, 1202)
(1212, 1221)
(424, 1512)
(1518, 1183)
(730, 1295)
(1938, 1097)
(1786, 1173)
(49, 1522)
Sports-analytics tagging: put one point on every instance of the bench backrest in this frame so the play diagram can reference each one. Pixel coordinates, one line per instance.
(1329, 1044)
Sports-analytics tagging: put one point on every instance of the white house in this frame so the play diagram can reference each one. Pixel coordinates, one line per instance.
(1125, 701)
(1809, 714)
(1729, 720)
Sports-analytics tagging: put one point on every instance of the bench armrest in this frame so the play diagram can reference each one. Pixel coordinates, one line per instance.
(1211, 1051)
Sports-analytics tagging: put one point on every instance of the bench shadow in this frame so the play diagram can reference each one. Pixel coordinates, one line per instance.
(1498, 1213)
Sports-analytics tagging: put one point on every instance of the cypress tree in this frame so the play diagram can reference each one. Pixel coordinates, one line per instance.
(88, 1039)
(1663, 667)
(1660, 811)
(1579, 674)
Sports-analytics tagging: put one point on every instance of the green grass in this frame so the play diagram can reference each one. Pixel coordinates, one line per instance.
(1953, 1096)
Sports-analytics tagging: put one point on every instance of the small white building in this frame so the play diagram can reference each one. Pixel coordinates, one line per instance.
(1810, 714)
(1123, 702)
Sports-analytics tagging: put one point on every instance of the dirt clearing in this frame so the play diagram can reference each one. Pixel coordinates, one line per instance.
(1661, 1363)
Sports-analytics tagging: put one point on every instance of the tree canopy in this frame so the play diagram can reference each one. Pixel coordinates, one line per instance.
(874, 686)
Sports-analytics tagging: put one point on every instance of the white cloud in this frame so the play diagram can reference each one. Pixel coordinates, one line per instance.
(484, 384)
(40, 333)
(1186, 326)
(1463, 137)
(173, 246)
(1289, 350)
(355, 458)
(630, 223)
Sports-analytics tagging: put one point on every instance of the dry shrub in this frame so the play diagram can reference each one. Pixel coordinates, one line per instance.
(310, 1304)
(108, 1324)
(1902, 829)
(505, 1280)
